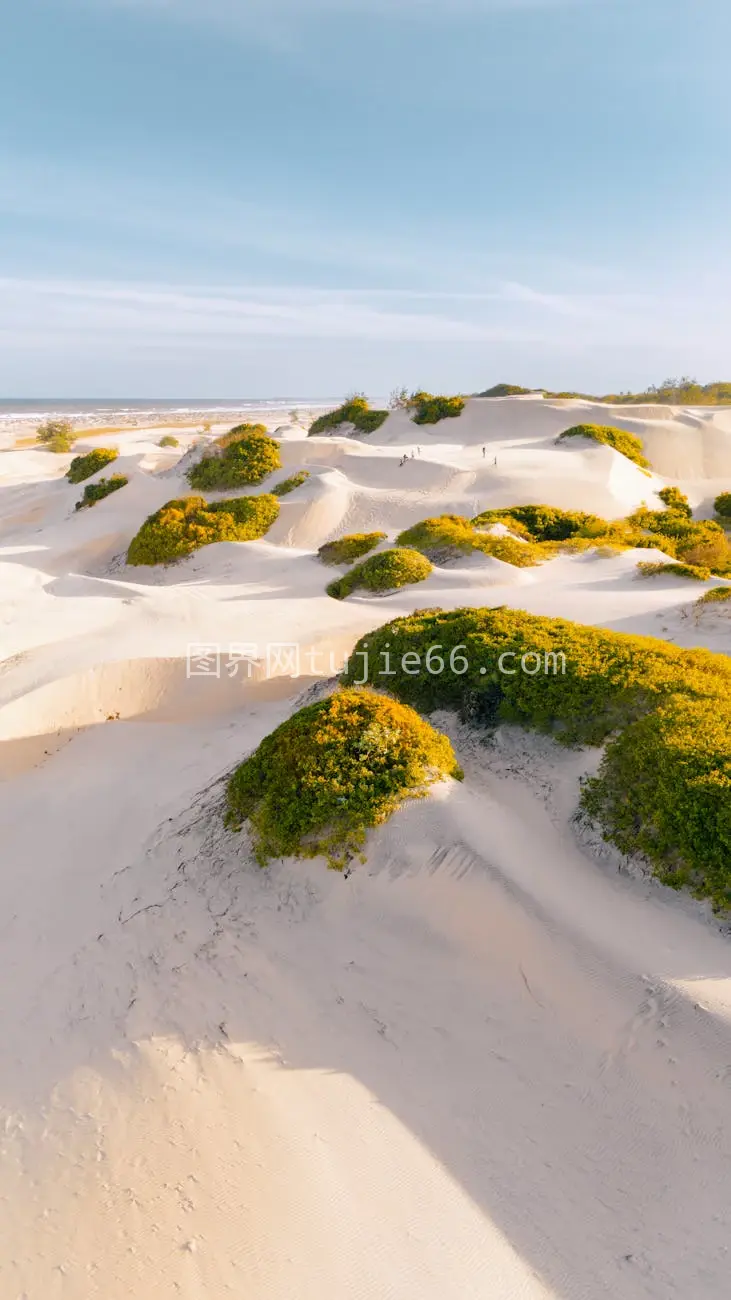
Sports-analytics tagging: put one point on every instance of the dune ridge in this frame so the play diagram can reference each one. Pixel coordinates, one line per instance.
(491, 1060)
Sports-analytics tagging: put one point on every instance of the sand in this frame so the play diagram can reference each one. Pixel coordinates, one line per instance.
(493, 1061)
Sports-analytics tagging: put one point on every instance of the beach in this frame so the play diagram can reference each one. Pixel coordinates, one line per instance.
(492, 1059)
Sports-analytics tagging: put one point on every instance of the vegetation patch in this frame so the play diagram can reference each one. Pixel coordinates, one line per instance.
(506, 390)
(714, 596)
(699, 543)
(664, 789)
(243, 458)
(429, 409)
(383, 572)
(83, 467)
(94, 492)
(609, 679)
(57, 435)
(355, 410)
(676, 570)
(449, 537)
(722, 505)
(627, 444)
(168, 441)
(345, 550)
(289, 484)
(675, 500)
(182, 526)
(495, 665)
(541, 523)
(335, 769)
(702, 543)
(671, 392)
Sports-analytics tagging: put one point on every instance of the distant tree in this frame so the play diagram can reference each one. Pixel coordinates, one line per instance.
(57, 435)
(399, 400)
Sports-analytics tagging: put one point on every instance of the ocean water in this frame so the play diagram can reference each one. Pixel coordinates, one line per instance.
(125, 410)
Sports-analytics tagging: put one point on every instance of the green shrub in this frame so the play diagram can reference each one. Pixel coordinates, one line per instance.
(505, 390)
(610, 678)
(168, 441)
(83, 467)
(344, 550)
(355, 410)
(442, 537)
(447, 537)
(430, 409)
(722, 505)
(180, 527)
(57, 435)
(383, 572)
(338, 767)
(674, 499)
(701, 542)
(664, 789)
(523, 555)
(245, 456)
(714, 595)
(94, 492)
(509, 521)
(675, 570)
(625, 443)
(289, 484)
(671, 763)
(541, 523)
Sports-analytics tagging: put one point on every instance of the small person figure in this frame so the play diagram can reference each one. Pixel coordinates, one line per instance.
(495, 461)
(418, 451)
(412, 453)
(484, 449)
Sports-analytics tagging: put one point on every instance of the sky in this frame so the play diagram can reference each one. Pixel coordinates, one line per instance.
(302, 198)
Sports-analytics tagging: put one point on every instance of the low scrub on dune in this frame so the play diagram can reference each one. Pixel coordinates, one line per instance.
(700, 543)
(541, 523)
(57, 435)
(335, 769)
(584, 685)
(671, 392)
(673, 499)
(627, 444)
(168, 441)
(288, 485)
(722, 505)
(506, 390)
(243, 458)
(182, 526)
(441, 537)
(664, 789)
(609, 679)
(564, 530)
(383, 572)
(450, 537)
(345, 550)
(94, 492)
(674, 569)
(83, 467)
(355, 410)
(714, 596)
(696, 542)
(429, 409)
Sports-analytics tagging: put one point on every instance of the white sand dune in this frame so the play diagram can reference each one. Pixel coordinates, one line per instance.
(487, 1063)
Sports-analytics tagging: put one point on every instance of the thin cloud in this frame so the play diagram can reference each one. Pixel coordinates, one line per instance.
(190, 316)
(53, 306)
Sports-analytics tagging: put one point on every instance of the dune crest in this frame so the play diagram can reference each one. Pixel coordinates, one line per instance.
(490, 1060)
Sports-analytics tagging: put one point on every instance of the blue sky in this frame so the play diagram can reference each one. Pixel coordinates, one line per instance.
(301, 197)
